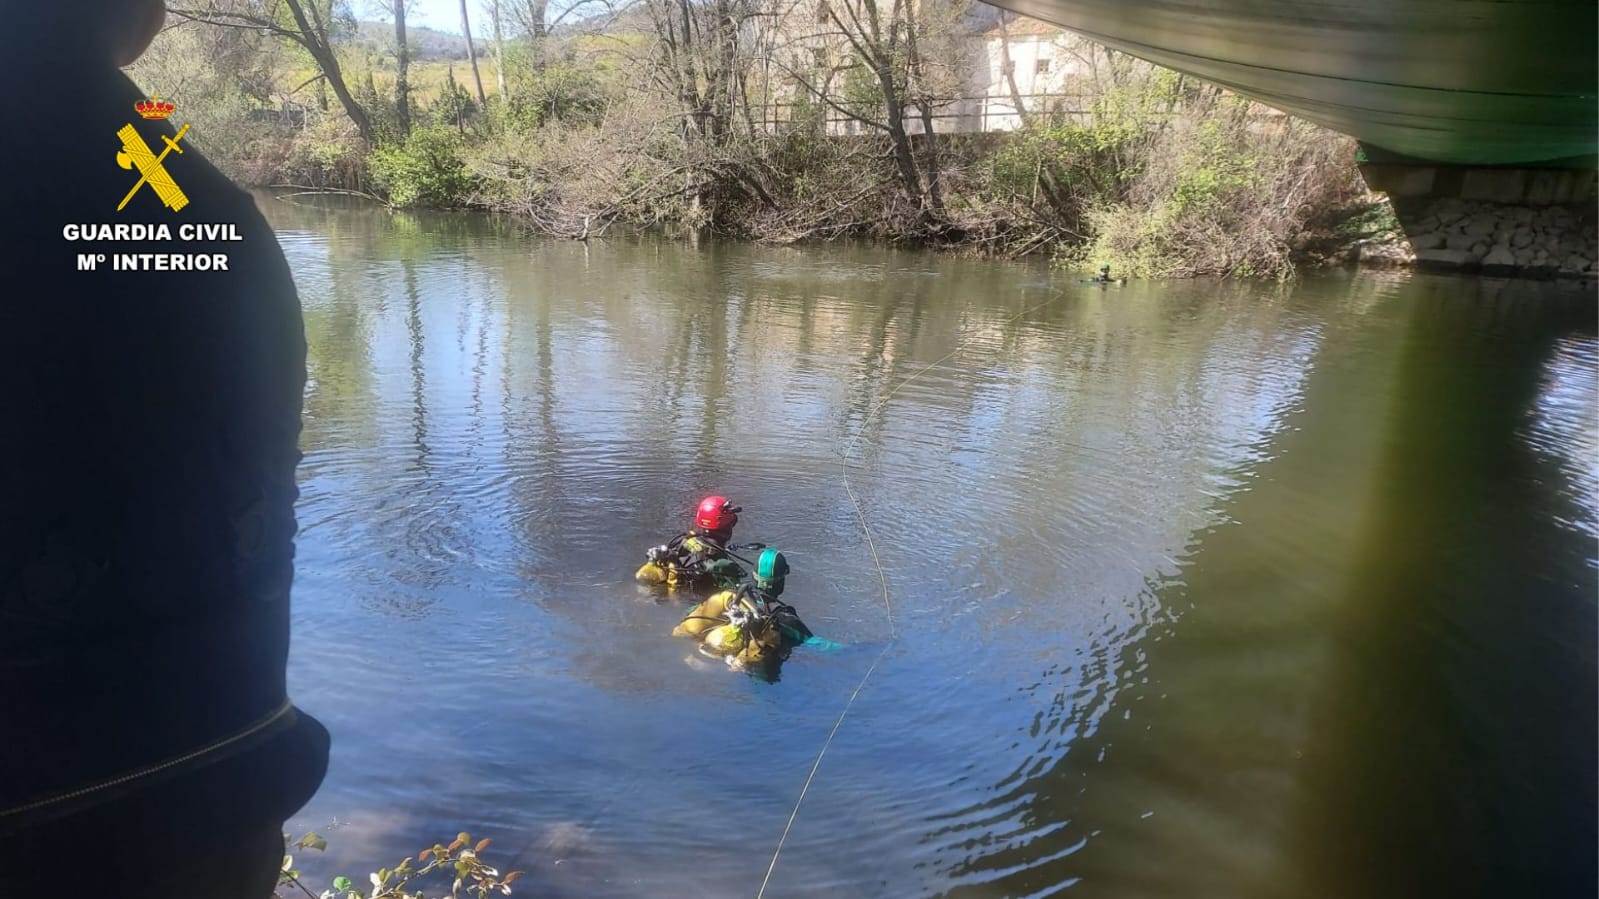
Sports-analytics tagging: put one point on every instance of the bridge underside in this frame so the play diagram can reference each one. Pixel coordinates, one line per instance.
(1479, 82)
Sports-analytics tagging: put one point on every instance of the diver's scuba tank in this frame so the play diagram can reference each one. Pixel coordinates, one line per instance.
(726, 639)
(731, 638)
(688, 561)
(704, 617)
(656, 567)
(748, 639)
(650, 573)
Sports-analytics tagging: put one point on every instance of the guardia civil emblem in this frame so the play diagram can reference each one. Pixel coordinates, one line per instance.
(136, 154)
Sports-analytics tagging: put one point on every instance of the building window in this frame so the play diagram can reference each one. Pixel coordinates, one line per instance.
(819, 57)
(1043, 66)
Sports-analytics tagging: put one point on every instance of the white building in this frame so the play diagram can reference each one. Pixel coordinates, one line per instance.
(1043, 61)
(1052, 71)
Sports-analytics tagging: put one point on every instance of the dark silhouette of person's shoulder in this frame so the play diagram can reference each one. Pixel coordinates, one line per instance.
(127, 364)
(72, 177)
(151, 484)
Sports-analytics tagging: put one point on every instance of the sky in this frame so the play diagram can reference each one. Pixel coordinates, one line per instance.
(440, 15)
(445, 15)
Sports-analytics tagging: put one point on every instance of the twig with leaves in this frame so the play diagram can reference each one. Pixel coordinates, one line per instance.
(472, 875)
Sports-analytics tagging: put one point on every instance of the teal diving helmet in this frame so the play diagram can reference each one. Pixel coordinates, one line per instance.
(770, 570)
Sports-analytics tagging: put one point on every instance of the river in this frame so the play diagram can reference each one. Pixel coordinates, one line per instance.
(1194, 589)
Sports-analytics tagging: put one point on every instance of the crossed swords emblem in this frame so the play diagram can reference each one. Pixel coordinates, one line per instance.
(135, 152)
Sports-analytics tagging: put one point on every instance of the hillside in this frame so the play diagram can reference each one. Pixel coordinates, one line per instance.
(425, 43)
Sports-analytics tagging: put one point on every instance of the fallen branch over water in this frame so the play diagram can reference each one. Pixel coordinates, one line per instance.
(305, 190)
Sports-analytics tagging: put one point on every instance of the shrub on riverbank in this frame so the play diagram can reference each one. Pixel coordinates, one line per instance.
(424, 169)
(1222, 192)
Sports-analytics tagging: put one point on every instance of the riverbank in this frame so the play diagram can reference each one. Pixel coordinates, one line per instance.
(1193, 197)
(1365, 232)
(1085, 156)
(1216, 186)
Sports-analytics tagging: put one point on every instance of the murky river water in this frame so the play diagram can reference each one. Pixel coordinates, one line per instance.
(1200, 590)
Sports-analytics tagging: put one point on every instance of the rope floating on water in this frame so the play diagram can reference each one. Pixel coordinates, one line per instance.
(882, 578)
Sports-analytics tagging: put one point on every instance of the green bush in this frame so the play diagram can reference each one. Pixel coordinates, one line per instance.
(382, 112)
(1217, 164)
(425, 170)
(1091, 163)
(563, 93)
(453, 108)
(1229, 193)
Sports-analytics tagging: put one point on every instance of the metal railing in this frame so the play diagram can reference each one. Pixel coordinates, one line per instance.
(956, 115)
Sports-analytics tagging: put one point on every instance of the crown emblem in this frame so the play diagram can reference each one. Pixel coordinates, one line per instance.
(154, 108)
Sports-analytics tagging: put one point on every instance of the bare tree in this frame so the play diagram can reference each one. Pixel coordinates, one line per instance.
(308, 25)
(402, 86)
(676, 33)
(497, 21)
(1048, 181)
(533, 16)
(919, 89)
(471, 55)
(1008, 65)
(880, 46)
(698, 58)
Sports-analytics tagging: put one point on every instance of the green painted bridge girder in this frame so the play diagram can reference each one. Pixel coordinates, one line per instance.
(1478, 82)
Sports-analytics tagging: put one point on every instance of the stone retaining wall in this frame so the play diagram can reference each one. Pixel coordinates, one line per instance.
(1525, 241)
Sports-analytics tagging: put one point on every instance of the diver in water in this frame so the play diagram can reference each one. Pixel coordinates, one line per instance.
(747, 625)
(698, 557)
(1104, 276)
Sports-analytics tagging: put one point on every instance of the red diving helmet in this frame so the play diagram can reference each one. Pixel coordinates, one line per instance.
(716, 515)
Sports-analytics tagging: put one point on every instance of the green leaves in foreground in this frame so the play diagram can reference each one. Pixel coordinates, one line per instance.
(461, 858)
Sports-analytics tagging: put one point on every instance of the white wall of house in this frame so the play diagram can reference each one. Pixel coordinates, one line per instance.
(1043, 65)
